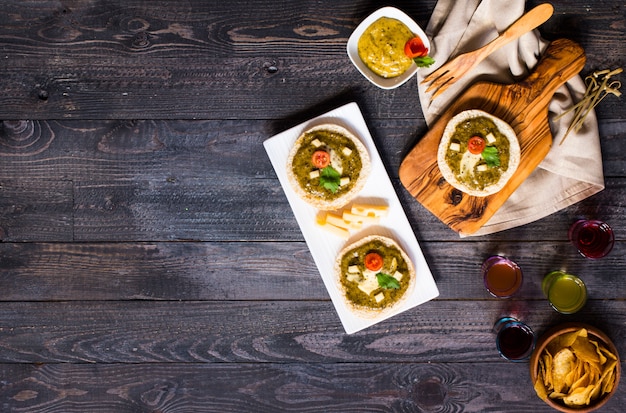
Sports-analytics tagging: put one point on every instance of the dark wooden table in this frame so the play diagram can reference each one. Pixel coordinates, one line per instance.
(150, 261)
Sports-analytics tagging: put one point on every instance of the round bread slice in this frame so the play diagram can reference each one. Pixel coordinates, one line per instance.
(328, 188)
(365, 294)
(478, 174)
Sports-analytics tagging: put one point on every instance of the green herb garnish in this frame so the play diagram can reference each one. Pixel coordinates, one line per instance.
(490, 155)
(424, 61)
(387, 281)
(330, 179)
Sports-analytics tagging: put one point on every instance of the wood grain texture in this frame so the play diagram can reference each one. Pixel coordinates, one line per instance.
(150, 262)
(138, 60)
(272, 387)
(270, 331)
(524, 106)
(191, 271)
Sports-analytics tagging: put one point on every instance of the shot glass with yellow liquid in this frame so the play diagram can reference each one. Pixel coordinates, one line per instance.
(566, 293)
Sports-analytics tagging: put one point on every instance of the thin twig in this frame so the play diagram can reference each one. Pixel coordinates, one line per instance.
(598, 86)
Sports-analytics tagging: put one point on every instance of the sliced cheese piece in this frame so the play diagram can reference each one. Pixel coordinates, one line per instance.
(379, 297)
(346, 151)
(398, 275)
(354, 269)
(490, 138)
(316, 142)
(345, 180)
(340, 232)
(370, 210)
(369, 283)
(455, 146)
(482, 167)
(468, 162)
(338, 221)
(368, 219)
(394, 265)
(314, 174)
(335, 161)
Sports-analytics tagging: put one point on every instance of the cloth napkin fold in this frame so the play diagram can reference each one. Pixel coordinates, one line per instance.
(570, 172)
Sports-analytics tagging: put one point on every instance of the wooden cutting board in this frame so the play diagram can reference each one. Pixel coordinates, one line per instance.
(524, 106)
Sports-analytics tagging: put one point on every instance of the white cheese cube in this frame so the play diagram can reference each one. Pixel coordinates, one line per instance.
(455, 146)
(490, 138)
(346, 151)
(345, 180)
(369, 283)
(379, 297)
(367, 288)
(316, 143)
(398, 275)
(481, 168)
(314, 174)
(352, 277)
(353, 269)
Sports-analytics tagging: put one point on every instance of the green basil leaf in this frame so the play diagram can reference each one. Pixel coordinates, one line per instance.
(424, 61)
(490, 155)
(330, 179)
(387, 281)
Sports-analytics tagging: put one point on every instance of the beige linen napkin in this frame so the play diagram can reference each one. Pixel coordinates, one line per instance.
(570, 172)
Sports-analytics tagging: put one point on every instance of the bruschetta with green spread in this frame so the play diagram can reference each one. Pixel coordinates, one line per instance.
(478, 153)
(328, 166)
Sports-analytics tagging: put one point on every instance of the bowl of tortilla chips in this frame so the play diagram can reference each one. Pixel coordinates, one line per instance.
(575, 368)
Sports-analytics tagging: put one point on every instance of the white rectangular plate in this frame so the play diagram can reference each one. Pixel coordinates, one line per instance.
(378, 189)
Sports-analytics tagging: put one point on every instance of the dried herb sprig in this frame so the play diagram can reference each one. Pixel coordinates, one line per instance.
(598, 86)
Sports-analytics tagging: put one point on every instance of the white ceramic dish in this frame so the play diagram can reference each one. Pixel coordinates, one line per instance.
(325, 246)
(353, 52)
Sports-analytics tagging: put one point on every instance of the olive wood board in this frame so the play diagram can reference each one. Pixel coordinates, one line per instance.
(524, 106)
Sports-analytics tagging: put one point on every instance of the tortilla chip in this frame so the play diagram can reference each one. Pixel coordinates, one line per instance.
(579, 396)
(585, 350)
(540, 389)
(582, 370)
(561, 368)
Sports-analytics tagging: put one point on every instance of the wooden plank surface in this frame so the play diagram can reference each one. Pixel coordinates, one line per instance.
(150, 262)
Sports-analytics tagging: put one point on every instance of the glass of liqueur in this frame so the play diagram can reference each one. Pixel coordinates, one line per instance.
(502, 277)
(515, 340)
(566, 292)
(593, 239)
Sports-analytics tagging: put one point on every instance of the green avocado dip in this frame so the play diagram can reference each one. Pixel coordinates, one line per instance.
(337, 178)
(478, 171)
(362, 286)
(381, 47)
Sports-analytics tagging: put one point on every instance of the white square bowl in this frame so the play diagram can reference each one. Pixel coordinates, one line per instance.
(353, 53)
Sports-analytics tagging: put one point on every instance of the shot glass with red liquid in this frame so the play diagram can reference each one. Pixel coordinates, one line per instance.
(515, 340)
(592, 238)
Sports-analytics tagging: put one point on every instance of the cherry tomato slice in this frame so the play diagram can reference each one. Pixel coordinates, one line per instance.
(475, 145)
(373, 261)
(320, 159)
(415, 48)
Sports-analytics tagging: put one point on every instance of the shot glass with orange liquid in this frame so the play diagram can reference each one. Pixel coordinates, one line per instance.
(502, 276)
